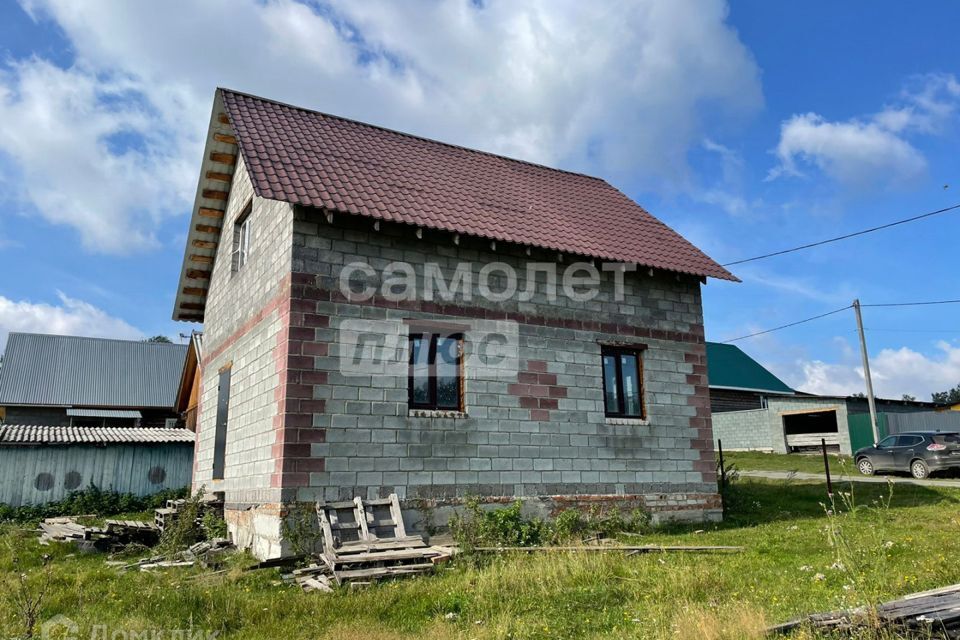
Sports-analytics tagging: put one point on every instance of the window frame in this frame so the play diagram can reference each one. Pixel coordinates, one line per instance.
(617, 351)
(434, 335)
(241, 237)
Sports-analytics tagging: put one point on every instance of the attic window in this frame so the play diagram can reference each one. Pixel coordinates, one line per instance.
(241, 238)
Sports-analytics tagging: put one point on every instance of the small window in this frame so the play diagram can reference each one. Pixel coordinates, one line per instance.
(623, 382)
(241, 238)
(436, 371)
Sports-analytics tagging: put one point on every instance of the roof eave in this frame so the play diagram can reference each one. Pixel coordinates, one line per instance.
(204, 233)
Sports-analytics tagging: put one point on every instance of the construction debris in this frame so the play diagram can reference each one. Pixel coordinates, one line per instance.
(929, 614)
(365, 542)
(114, 535)
(166, 516)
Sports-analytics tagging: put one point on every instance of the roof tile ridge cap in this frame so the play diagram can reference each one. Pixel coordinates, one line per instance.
(405, 134)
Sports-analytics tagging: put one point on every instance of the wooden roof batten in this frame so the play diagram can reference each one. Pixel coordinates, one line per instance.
(206, 224)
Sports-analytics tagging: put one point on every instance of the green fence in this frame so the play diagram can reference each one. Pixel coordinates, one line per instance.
(861, 433)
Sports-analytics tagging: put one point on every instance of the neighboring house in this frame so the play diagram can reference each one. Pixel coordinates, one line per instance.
(90, 411)
(738, 382)
(320, 382)
(188, 392)
(753, 410)
(89, 382)
(43, 464)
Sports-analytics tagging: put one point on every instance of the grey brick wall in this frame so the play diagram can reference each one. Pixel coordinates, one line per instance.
(238, 330)
(373, 445)
(762, 429)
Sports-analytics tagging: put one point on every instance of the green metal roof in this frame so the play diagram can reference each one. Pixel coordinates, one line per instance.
(730, 368)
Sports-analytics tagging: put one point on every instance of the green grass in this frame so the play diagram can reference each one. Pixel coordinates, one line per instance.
(803, 462)
(783, 526)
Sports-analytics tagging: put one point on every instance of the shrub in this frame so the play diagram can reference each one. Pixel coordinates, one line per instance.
(507, 526)
(93, 501)
(186, 528)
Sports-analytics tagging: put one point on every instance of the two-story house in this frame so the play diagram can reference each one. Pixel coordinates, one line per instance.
(389, 314)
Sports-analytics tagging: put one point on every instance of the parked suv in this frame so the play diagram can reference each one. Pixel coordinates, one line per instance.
(919, 452)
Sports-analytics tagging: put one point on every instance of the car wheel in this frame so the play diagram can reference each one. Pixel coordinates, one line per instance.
(919, 469)
(865, 466)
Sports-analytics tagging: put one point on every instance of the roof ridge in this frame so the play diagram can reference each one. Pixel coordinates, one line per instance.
(66, 335)
(410, 135)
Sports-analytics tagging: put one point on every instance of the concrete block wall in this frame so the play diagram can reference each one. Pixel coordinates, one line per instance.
(244, 324)
(762, 429)
(747, 430)
(503, 445)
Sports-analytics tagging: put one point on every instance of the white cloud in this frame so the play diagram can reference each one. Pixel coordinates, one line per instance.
(70, 317)
(610, 88)
(58, 127)
(870, 150)
(894, 372)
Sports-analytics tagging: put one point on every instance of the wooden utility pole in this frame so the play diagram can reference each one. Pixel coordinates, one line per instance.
(866, 372)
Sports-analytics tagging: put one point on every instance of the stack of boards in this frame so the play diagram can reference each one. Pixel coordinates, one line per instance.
(113, 535)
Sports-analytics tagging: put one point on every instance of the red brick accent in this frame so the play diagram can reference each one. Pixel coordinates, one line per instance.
(295, 352)
(537, 390)
(706, 464)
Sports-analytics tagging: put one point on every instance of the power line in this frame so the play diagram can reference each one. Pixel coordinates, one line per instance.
(830, 313)
(792, 324)
(845, 237)
(911, 304)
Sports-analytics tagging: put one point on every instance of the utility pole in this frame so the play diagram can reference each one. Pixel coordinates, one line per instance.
(866, 372)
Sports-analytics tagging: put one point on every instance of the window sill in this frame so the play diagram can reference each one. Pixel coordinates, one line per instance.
(436, 413)
(634, 422)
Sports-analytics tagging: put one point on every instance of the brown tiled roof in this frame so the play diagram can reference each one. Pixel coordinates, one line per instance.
(314, 159)
(13, 434)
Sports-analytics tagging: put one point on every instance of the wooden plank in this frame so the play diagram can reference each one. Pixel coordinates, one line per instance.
(204, 244)
(223, 119)
(207, 212)
(219, 176)
(205, 228)
(634, 549)
(325, 527)
(223, 158)
(385, 556)
(384, 571)
(193, 306)
(215, 194)
(361, 514)
(381, 545)
(400, 530)
(225, 138)
(198, 274)
(196, 257)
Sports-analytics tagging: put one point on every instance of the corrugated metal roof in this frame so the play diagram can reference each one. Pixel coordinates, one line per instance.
(19, 434)
(104, 413)
(41, 369)
(730, 368)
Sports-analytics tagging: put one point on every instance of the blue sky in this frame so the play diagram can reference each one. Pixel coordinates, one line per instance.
(748, 127)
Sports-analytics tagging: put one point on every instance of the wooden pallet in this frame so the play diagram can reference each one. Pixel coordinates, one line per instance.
(929, 614)
(365, 541)
(361, 522)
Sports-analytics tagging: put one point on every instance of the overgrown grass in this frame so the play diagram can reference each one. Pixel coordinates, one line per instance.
(788, 568)
(803, 462)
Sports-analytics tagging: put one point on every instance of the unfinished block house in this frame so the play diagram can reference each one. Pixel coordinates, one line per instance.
(351, 280)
